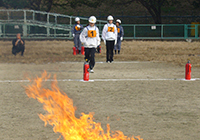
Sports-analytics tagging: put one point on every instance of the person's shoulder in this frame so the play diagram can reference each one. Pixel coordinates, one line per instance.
(96, 28)
(105, 25)
(85, 29)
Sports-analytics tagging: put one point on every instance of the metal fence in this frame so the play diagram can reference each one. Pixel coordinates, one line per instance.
(162, 31)
(42, 25)
(37, 24)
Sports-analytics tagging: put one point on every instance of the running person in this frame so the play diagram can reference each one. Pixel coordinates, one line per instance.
(109, 35)
(90, 39)
(76, 30)
(120, 35)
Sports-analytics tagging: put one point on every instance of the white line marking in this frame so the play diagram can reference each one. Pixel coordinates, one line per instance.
(117, 62)
(99, 80)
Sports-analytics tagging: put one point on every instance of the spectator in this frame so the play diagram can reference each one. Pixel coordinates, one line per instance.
(18, 45)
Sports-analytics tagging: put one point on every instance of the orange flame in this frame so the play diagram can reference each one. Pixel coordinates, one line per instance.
(61, 114)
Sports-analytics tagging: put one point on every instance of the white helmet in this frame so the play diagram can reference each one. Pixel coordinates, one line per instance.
(92, 19)
(77, 19)
(110, 17)
(119, 21)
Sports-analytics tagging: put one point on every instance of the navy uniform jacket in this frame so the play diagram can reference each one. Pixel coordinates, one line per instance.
(120, 31)
(76, 30)
(19, 45)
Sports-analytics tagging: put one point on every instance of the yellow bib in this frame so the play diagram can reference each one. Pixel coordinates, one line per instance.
(111, 29)
(78, 29)
(118, 30)
(92, 33)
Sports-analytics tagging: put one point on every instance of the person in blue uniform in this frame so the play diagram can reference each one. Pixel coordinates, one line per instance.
(76, 31)
(120, 35)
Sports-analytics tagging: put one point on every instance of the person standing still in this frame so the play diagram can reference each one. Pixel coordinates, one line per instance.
(109, 35)
(18, 45)
(120, 35)
(90, 39)
(76, 30)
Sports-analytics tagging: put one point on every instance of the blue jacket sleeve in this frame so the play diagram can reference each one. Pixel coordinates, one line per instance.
(73, 29)
(122, 31)
(81, 27)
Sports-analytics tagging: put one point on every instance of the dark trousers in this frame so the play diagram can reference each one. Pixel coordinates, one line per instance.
(89, 56)
(109, 50)
(18, 49)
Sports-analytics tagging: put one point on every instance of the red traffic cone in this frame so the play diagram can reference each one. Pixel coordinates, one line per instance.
(82, 50)
(77, 51)
(74, 50)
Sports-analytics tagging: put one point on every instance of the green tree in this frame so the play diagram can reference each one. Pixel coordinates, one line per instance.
(42, 5)
(153, 6)
(13, 4)
(195, 3)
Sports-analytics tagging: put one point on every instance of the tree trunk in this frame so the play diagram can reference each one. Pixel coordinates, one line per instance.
(153, 9)
(49, 5)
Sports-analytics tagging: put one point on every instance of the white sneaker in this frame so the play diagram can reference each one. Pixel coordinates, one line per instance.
(91, 71)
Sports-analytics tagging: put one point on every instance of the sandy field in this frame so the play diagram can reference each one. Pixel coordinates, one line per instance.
(148, 96)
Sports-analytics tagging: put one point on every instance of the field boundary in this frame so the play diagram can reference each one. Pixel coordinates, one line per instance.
(115, 62)
(100, 80)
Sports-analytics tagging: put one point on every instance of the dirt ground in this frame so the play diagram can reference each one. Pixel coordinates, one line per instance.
(154, 109)
(40, 52)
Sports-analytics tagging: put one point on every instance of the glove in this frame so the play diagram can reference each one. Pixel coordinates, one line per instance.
(86, 44)
(115, 41)
(121, 38)
(98, 42)
(104, 42)
(73, 35)
(78, 26)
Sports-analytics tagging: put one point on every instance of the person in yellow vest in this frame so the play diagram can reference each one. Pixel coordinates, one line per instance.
(90, 39)
(109, 35)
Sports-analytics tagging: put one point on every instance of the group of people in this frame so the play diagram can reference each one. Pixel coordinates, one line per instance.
(89, 36)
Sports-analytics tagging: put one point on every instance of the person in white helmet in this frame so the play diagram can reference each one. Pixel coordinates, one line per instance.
(90, 39)
(120, 35)
(76, 30)
(109, 35)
